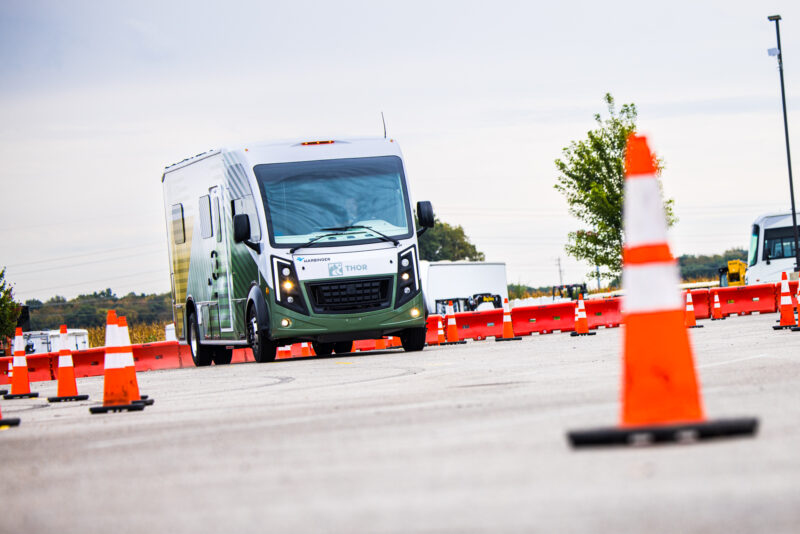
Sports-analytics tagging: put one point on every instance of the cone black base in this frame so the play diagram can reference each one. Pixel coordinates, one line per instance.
(697, 326)
(9, 421)
(784, 326)
(516, 338)
(117, 408)
(68, 398)
(144, 400)
(21, 396)
(462, 342)
(573, 334)
(646, 435)
(3, 391)
(719, 319)
(795, 329)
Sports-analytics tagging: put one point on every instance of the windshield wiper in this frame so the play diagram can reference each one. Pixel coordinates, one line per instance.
(292, 250)
(383, 237)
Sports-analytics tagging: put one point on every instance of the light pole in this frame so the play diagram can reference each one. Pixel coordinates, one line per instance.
(777, 52)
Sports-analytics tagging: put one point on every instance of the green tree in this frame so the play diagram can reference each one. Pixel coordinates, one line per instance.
(592, 178)
(446, 242)
(9, 310)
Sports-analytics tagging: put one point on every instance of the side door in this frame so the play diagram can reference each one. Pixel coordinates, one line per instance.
(220, 265)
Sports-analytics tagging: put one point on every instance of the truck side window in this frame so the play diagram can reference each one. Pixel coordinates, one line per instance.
(178, 229)
(216, 215)
(206, 230)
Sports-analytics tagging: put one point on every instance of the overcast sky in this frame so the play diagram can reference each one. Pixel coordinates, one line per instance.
(97, 97)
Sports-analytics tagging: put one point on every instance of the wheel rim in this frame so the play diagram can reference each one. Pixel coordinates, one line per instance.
(253, 324)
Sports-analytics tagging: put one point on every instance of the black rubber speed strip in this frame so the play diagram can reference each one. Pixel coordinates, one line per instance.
(517, 338)
(117, 408)
(462, 342)
(68, 398)
(9, 421)
(679, 433)
(573, 334)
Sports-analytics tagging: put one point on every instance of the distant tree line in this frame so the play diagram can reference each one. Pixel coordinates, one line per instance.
(86, 311)
(707, 267)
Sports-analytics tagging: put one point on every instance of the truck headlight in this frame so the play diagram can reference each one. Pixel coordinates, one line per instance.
(287, 287)
(407, 277)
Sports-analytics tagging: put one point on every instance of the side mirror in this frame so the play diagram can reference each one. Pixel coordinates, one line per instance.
(241, 227)
(425, 216)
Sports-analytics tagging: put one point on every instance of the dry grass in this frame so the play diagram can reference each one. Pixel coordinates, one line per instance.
(140, 333)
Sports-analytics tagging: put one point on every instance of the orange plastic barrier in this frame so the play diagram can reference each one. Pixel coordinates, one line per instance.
(603, 312)
(701, 300)
(432, 329)
(480, 324)
(744, 300)
(543, 319)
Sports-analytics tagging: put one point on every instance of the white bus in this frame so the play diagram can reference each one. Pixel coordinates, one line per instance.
(771, 249)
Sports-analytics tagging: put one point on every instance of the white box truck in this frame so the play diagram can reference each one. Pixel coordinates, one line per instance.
(459, 281)
(771, 249)
(275, 243)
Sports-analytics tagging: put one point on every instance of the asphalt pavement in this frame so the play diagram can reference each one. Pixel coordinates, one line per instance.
(465, 438)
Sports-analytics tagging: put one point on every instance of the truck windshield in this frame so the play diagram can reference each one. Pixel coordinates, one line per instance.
(752, 256)
(305, 199)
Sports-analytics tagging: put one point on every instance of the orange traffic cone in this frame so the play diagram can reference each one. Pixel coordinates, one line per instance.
(440, 330)
(689, 319)
(661, 400)
(117, 386)
(67, 385)
(452, 327)
(508, 326)
(6, 422)
(20, 384)
(786, 307)
(716, 311)
(130, 363)
(581, 322)
(797, 299)
(305, 350)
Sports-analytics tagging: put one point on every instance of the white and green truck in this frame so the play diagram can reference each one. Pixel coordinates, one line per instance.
(271, 244)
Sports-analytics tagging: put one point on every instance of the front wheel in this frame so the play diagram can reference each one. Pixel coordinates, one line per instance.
(413, 339)
(264, 350)
(201, 354)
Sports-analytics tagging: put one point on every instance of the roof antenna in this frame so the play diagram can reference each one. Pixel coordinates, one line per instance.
(384, 125)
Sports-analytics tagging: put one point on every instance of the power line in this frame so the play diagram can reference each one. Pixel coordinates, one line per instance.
(91, 262)
(84, 255)
(97, 281)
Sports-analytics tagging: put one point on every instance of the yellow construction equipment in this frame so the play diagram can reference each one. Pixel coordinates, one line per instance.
(733, 274)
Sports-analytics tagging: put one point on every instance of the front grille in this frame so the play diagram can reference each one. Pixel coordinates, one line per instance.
(350, 296)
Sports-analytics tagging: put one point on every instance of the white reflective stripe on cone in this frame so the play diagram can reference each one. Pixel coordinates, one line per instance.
(786, 300)
(111, 335)
(645, 220)
(65, 360)
(20, 361)
(114, 360)
(651, 287)
(19, 344)
(128, 358)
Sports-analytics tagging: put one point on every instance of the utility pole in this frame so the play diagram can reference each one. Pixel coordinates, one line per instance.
(779, 53)
(560, 274)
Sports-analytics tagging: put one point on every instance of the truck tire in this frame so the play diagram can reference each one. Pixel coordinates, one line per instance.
(222, 356)
(413, 339)
(201, 354)
(343, 347)
(323, 349)
(264, 349)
